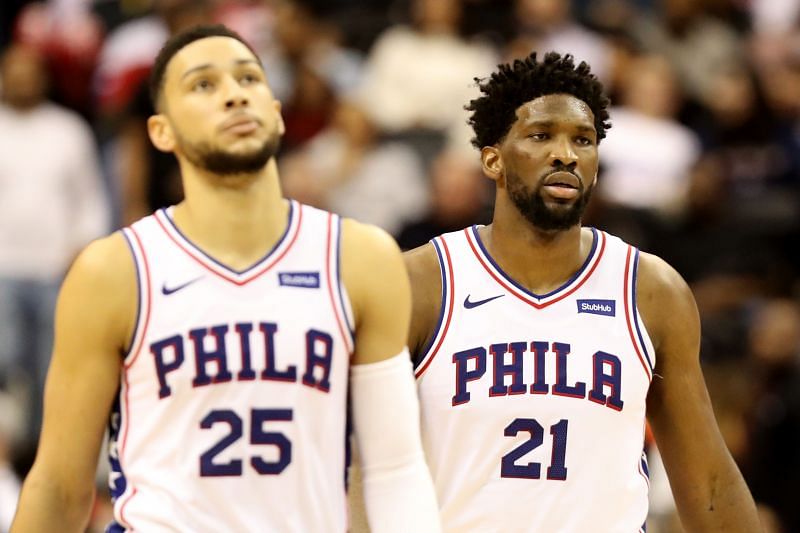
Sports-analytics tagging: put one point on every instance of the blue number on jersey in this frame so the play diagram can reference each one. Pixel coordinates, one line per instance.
(257, 436)
(557, 470)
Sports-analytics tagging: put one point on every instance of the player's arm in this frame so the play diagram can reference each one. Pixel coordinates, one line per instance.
(708, 488)
(398, 491)
(94, 316)
(426, 297)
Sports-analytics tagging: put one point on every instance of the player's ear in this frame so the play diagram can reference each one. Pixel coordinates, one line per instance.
(281, 124)
(161, 134)
(492, 163)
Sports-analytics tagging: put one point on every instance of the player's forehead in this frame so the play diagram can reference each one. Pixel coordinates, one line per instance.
(217, 52)
(556, 109)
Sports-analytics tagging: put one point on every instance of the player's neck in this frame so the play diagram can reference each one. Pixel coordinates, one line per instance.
(541, 261)
(236, 221)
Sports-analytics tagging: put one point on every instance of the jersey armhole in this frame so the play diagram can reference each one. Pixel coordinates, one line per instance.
(445, 308)
(143, 293)
(340, 301)
(640, 339)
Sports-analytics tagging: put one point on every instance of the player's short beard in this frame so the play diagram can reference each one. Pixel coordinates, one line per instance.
(531, 205)
(218, 161)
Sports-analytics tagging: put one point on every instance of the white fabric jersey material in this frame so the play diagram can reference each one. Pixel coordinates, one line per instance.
(233, 399)
(533, 406)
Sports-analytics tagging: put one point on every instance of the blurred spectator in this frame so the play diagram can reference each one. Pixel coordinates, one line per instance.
(69, 36)
(348, 169)
(753, 146)
(774, 465)
(648, 155)
(308, 69)
(459, 196)
(52, 202)
(420, 76)
(706, 246)
(692, 41)
(304, 38)
(309, 107)
(546, 25)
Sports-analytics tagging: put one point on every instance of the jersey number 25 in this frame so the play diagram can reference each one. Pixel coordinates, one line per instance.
(258, 417)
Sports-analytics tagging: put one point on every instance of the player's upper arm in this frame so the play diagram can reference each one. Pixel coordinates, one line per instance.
(678, 406)
(94, 318)
(377, 284)
(670, 315)
(426, 290)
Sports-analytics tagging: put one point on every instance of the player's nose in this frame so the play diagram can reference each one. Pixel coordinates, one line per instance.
(562, 153)
(234, 94)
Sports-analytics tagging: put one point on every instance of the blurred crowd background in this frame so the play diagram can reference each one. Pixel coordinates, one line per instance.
(701, 166)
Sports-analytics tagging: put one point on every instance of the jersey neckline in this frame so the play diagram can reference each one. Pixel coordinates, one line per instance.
(538, 301)
(239, 277)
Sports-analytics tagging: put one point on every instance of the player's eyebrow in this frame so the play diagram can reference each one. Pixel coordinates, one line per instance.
(539, 124)
(550, 123)
(205, 66)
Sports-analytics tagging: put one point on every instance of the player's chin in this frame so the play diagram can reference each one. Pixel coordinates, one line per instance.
(244, 147)
(559, 205)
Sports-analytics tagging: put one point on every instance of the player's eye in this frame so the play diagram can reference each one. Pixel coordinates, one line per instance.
(247, 79)
(202, 85)
(584, 141)
(538, 136)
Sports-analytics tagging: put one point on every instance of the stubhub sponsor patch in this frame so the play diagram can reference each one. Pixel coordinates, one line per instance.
(597, 307)
(308, 280)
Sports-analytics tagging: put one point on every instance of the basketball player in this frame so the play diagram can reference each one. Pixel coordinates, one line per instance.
(540, 345)
(217, 337)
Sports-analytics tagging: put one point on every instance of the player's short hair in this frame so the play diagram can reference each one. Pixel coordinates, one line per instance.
(524, 80)
(176, 43)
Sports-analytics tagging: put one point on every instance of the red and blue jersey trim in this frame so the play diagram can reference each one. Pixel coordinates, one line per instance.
(144, 289)
(237, 277)
(446, 308)
(535, 300)
(632, 314)
(333, 279)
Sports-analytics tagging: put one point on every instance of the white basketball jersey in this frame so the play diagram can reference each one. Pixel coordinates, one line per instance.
(533, 406)
(232, 406)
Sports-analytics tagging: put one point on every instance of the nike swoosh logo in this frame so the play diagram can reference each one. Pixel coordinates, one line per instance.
(470, 305)
(166, 291)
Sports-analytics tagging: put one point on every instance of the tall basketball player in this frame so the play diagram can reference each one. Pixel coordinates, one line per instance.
(217, 338)
(541, 346)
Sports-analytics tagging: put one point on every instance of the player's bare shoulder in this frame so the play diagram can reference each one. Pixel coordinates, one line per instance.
(369, 255)
(424, 271)
(664, 299)
(377, 286)
(103, 278)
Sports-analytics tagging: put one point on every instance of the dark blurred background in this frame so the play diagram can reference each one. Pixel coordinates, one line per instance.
(702, 165)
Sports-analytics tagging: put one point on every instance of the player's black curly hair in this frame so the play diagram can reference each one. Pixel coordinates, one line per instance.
(176, 44)
(512, 85)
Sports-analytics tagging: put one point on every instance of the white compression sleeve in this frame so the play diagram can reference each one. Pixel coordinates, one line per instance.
(398, 491)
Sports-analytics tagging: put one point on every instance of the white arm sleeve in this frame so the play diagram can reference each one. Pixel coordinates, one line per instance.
(398, 490)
